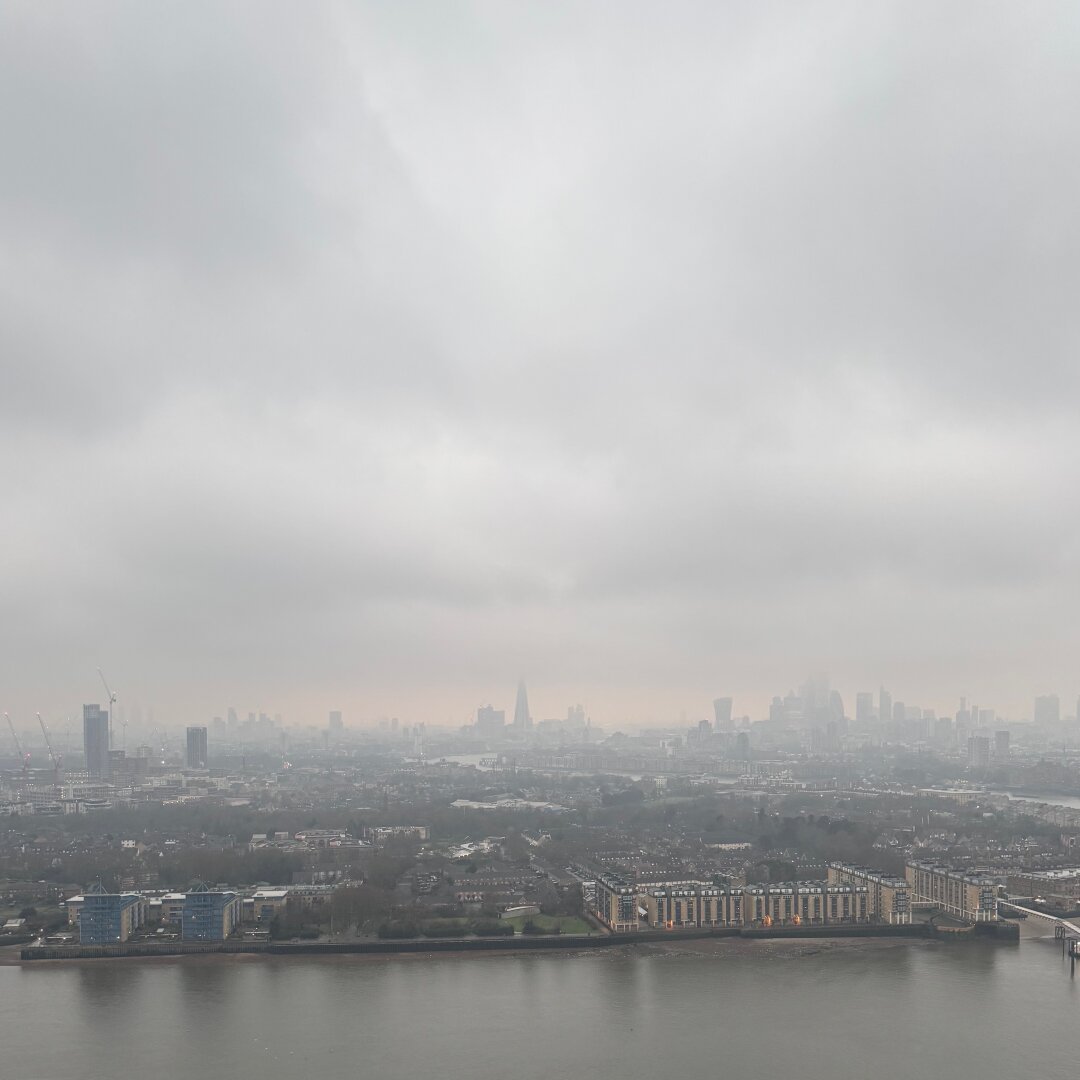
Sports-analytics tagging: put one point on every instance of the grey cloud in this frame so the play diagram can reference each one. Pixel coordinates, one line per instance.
(384, 352)
(160, 131)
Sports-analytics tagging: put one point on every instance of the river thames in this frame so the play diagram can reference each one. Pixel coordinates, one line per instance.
(811, 1009)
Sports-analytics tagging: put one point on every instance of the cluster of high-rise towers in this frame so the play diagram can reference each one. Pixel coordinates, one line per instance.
(490, 719)
(103, 759)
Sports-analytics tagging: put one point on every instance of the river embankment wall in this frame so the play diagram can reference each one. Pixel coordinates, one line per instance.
(517, 943)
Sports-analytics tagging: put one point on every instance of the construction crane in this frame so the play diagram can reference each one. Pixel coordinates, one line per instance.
(112, 701)
(56, 760)
(24, 759)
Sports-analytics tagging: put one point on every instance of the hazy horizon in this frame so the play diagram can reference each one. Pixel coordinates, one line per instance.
(366, 356)
(618, 710)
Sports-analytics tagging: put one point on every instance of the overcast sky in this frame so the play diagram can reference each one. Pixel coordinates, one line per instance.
(372, 355)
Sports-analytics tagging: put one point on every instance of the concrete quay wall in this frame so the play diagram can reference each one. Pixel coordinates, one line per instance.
(517, 943)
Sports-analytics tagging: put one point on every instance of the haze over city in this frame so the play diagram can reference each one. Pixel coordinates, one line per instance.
(539, 539)
(370, 356)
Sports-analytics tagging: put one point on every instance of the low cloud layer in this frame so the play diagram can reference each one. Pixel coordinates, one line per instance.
(371, 356)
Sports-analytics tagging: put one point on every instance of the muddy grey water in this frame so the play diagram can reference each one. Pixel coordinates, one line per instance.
(752, 1010)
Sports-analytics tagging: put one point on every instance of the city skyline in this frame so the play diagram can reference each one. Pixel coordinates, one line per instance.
(722, 714)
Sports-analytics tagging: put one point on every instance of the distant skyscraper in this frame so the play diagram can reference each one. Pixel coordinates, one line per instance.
(816, 697)
(335, 720)
(489, 719)
(522, 719)
(1001, 744)
(96, 741)
(864, 706)
(196, 748)
(794, 709)
(963, 722)
(979, 752)
(943, 730)
(1048, 709)
(836, 707)
(884, 705)
(722, 711)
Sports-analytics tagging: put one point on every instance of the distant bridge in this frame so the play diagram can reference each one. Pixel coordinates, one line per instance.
(1068, 933)
(1069, 927)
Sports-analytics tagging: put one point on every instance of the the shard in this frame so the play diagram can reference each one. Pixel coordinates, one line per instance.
(522, 719)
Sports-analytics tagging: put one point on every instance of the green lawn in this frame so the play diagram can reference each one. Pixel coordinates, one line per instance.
(568, 924)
